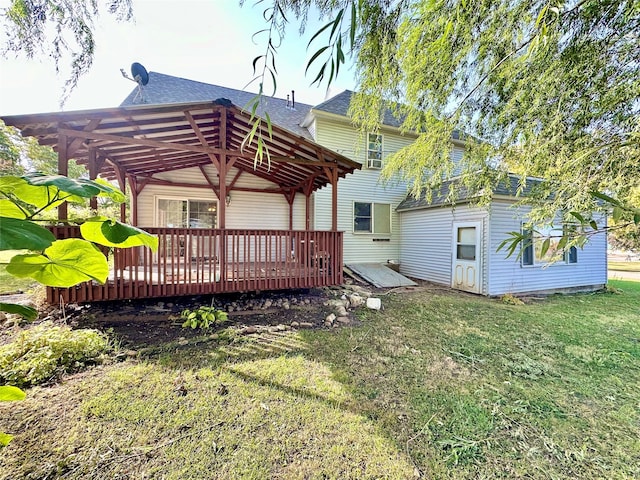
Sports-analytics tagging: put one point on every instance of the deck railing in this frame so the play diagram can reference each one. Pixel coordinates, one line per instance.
(206, 261)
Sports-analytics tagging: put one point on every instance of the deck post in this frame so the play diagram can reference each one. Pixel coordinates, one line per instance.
(63, 169)
(93, 174)
(133, 187)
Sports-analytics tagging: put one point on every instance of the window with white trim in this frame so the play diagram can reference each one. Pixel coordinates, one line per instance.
(372, 218)
(533, 247)
(374, 150)
(187, 213)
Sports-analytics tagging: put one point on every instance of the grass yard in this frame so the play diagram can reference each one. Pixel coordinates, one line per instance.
(624, 266)
(9, 283)
(439, 385)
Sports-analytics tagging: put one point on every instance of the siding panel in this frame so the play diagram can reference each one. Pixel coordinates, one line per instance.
(426, 247)
(362, 186)
(246, 210)
(508, 275)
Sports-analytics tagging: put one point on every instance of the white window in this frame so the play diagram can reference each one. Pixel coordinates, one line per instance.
(371, 217)
(179, 213)
(374, 150)
(533, 247)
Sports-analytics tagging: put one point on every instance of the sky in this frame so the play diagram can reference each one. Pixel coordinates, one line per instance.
(209, 41)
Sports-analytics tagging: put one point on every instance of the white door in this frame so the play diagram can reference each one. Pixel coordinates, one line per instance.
(467, 257)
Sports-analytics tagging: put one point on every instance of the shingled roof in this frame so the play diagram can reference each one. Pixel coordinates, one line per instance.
(507, 187)
(166, 89)
(339, 105)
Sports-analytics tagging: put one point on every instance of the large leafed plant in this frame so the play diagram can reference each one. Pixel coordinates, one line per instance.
(52, 262)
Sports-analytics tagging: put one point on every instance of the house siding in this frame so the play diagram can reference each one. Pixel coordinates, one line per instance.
(426, 251)
(246, 210)
(426, 247)
(509, 276)
(361, 186)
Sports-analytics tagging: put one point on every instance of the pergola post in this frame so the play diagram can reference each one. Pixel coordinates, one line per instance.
(133, 187)
(93, 174)
(222, 169)
(63, 169)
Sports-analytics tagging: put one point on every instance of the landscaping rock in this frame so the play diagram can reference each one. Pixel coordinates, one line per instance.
(248, 330)
(330, 318)
(341, 311)
(374, 303)
(343, 320)
(295, 324)
(306, 325)
(356, 300)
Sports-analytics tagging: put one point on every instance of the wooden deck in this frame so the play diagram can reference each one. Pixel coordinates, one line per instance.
(206, 261)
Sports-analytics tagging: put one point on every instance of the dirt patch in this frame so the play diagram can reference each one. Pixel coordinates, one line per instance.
(152, 322)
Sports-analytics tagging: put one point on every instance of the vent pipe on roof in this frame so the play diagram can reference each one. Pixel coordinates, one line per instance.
(293, 99)
(288, 101)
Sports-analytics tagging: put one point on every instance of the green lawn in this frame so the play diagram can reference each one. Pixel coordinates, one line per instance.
(624, 266)
(9, 283)
(438, 385)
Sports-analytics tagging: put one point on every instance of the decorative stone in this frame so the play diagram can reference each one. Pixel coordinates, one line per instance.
(343, 320)
(267, 303)
(281, 327)
(295, 324)
(330, 318)
(248, 330)
(341, 311)
(356, 300)
(286, 305)
(306, 325)
(374, 303)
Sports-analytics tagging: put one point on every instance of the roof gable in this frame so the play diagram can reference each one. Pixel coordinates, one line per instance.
(166, 89)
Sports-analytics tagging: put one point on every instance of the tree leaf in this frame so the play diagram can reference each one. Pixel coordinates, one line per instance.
(617, 213)
(578, 216)
(80, 187)
(5, 439)
(545, 247)
(9, 393)
(27, 313)
(64, 264)
(17, 234)
(65, 184)
(112, 233)
(10, 209)
(312, 59)
(606, 198)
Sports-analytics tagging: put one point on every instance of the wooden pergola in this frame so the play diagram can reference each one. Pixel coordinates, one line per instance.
(131, 145)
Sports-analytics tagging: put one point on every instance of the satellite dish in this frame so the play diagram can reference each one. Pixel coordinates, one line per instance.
(139, 73)
(140, 76)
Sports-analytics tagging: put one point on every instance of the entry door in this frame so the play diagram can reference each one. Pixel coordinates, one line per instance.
(467, 257)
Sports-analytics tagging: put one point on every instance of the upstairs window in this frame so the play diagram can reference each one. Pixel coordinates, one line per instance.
(372, 218)
(374, 150)
(533, 247)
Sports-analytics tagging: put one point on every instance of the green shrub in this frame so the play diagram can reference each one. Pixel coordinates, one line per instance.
(45, 351)
(203, 317)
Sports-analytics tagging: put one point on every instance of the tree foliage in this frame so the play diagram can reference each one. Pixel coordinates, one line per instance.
(546, 89)
(61, 30)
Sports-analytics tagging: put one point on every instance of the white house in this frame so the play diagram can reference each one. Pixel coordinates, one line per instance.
(458, 245)
(380, 223)
(291, 207)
